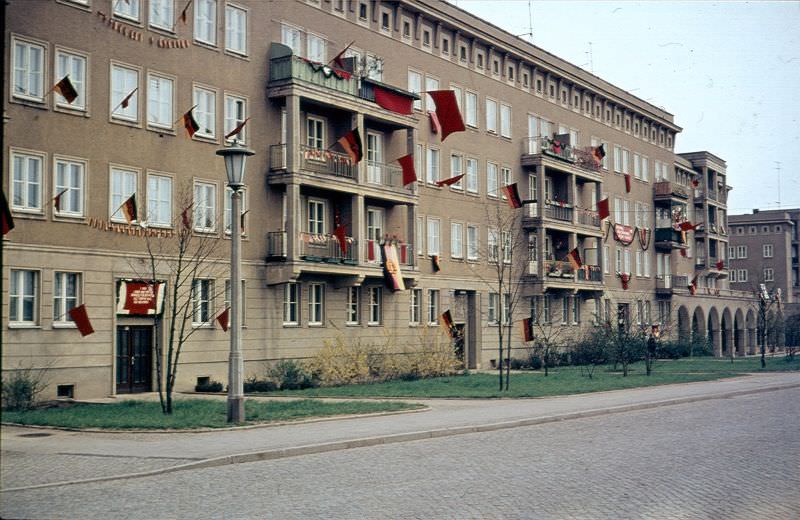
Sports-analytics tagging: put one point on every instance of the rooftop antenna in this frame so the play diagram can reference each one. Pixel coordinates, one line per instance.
(778, 167)
(529, 34)
(591, 58)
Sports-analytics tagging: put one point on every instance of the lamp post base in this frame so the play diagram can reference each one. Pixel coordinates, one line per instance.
(236, 409)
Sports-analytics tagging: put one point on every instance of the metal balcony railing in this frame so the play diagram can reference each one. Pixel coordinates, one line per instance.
(327, 162)
(277, 157)
(387, 175)
(590, 273)
(558, 212)
(373, 255)
(588, 218)
(276, 244)
(670, 189)
(548, 146)
(324, 247)
(558, 269)
(289, 67)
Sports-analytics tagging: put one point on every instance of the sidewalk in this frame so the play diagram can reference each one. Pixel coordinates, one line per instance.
(34, 457)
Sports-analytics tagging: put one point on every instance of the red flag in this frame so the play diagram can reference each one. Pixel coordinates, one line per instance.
(447, 323)
(57, 199)
(409, 172)
(393, 101)
(683, 253)
(81, 319)
(351, 142)
(450, 181)
(189, 123)
(370, 250)
(693, 286)
(720, 265)
(625, 277)
(339, 233)
(338, 58)
(527, 329)
(602, 209)
(237, 130)
(224, 319)
(686, 226)
(628, 182)
(8, 220)
(598, 153)
(512, 195)
(574, 258)
(435, 264)
(436, 126)
(187, 221)
(65, 88)
(129, 209)
(185, 9)
(695, 182)
(447, 111)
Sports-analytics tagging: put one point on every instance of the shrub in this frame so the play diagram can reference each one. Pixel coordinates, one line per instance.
(535, 362)
(288, 374)
(255, 385)
(22, 387)
(518, 364)
(211, 386)
(337, 363)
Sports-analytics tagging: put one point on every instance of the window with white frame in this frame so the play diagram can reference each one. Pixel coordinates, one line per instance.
(235, 29)
(491, 179)
(769, 274)
(618, 264)
(205, 21)
(627, 260)
(375, 305)
(626, 212)
(645, 168)
(733, 276)
(316, 303)
(316, 216)
(625, 160)
(576, 310)
(432, 169)
(505, 120)
(352, 308)
(472, 175)
(23, 297)
(420, 236)
(124, 83)
(159, 101)
(493, 310)
(617, 159)
(66, 288)
(69, 181)
(315, 48)
(291, 303)
(456, 243)
(124, 183)
(767, 250)
(459, 93)
(315, 132)
(162, 14)
(228, 210)
(472, 242)
(235, 114)
(456, 162)
(159, 200)
(415, 300)
(205, 112)
(433, 306)
(741, 252)
(742, 275)
(415, 86)
(506, 177)
(471, 102)
(430, 84)
(26, 183)
(127, 9)
(639, 270)
(386, 21)
(292, 37)
(202, 298)
(606, 259)
(564, 310)
(433, 236)
(205, 207)
(646, 264)
(74, 66)
(493, 245)
(29, 68)
(491, 116)
(637, 166)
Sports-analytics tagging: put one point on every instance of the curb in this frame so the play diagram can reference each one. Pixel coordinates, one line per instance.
(309, 449)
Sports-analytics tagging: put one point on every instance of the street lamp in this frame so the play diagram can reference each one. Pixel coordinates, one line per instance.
(235, 158)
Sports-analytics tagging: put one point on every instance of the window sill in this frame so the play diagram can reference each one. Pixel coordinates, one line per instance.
(76, 5)
(132, 123)
(291, 325)
(126, 19)
(64, 325)
(206, 45)
(237, 54)
(161, 130)
(30, 102)
(65, 217)
(210, 139)
(35, 214)
(24, 326)
(73, 111)
(202, 326)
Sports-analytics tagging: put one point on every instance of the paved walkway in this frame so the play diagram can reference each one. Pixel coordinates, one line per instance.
(29, 459)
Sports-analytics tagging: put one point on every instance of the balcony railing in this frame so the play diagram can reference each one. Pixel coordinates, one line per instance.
(387, 175)
(284, 66)
(325, 161)
(588, 218)
(367, 87)
(558, 269)
(558, 212)
(668, 234)
(277, 157)
(326, 248)
(373, 255)
(580, 157)
(590, 273)
(276, 245)
(670, 189)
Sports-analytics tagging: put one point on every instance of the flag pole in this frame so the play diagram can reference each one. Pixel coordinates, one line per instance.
(123, 99)
(181, 118)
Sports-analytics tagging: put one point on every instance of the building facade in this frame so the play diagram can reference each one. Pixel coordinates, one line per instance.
(531, 118)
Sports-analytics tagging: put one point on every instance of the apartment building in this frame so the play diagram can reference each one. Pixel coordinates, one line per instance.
(763, 249)
(531, 118)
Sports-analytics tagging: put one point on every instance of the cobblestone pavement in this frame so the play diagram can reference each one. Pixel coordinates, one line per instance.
(735, 458)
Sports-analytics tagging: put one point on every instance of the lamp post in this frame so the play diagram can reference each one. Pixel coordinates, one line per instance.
(235, 157)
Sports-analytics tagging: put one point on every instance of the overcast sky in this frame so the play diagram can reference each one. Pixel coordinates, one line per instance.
(728, 71)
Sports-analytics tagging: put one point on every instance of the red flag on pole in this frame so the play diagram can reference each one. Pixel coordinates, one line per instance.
(574, 258)
(224, 319)
(393, 101)
(8, 220)
(185, 9)
(65, 88)
(527, 329)
(512, 195)
(602, 209)
(447, 112)
(81, 319)
(435, 264)
(627, 182)
(351, 142)
(720, 265)
(450, 181)
(129, 209)
(338, 58)
(189, 123)
(237, 130)
(409, 172)
(339, 233)
(598, 153)
(447, 323)
(57, 199)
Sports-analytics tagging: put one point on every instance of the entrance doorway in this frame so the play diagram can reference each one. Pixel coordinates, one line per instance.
(134, 359)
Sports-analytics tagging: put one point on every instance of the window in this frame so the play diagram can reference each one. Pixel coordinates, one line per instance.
(645, 173)
(316, 216)
(362, 10)
(564, 310)
(415, 86)
(627, 261)
(733, 276)
(492, 245)
(69, 179)
(23, 297)
(375, 304)
(352, 309)
(576, 310)
(491, 116)
(462, 54)
(159, 200)
(290, 36)
(315, 47)
(28, 70)
(618, 264)
(433, 166)
(415, 298)
(505, 120)
(74, 66)
(26, 188)
(124, 83)
(124, 183)
(491, 179)
(316, 303)
(430, 84)
(205, 207)
(456, 244)
(472, 242)
(426, 38)
(493, 309)
(159, 101)
(65, 295)
(505, 174)
(227, 302)
(433, 306)
(406, 33)
(742, 275)
(235, 29)
(617, 159)
(228, 210)
(205, 112)
(625, 161)
(162, 14)
(637, 166)
(472, 175)
(235, 114)
(315, 133)
(455, 170)
(472, 109)
(420, 236)
(205, 21)
(127, 9)
(646, 264)
(767, 250)
(202, 296)
(433, 236)
(606, 259)
(445, 46)
(769, 274)
(639, 270)
(495, 67)
(741, 252)
(291, 303)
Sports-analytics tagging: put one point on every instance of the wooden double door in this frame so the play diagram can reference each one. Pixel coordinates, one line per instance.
(134, 359)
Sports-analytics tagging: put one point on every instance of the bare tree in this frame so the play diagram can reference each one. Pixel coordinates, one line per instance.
(547, 337)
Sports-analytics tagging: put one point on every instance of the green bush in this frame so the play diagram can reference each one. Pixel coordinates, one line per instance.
(254, 385)
(535, 362)
(21, 388)
(211, 386)
(518, 364)
(291, 375)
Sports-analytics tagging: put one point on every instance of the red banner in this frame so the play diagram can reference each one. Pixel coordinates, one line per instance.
(623, 234)
(140, 298)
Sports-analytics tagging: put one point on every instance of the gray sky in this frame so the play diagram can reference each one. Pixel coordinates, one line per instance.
(728, 71)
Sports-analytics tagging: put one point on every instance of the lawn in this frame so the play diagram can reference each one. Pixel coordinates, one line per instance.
(561, 381)
(192, 413)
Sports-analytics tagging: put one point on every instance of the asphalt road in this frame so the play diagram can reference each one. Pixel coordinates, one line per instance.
(734, 458)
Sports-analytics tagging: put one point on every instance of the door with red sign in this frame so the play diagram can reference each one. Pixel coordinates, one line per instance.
(134, 359)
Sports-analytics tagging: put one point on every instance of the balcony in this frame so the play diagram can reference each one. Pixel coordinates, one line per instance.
(374, 257)
(387, 176)
(326, 162)
(276, 245)
(558, 269)
(667, 190)
(536, 149)
(558, 212)
(590, 273)
(665, 284)
(326, 248)
(588, 218)
(669, 238)
(285, 67)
